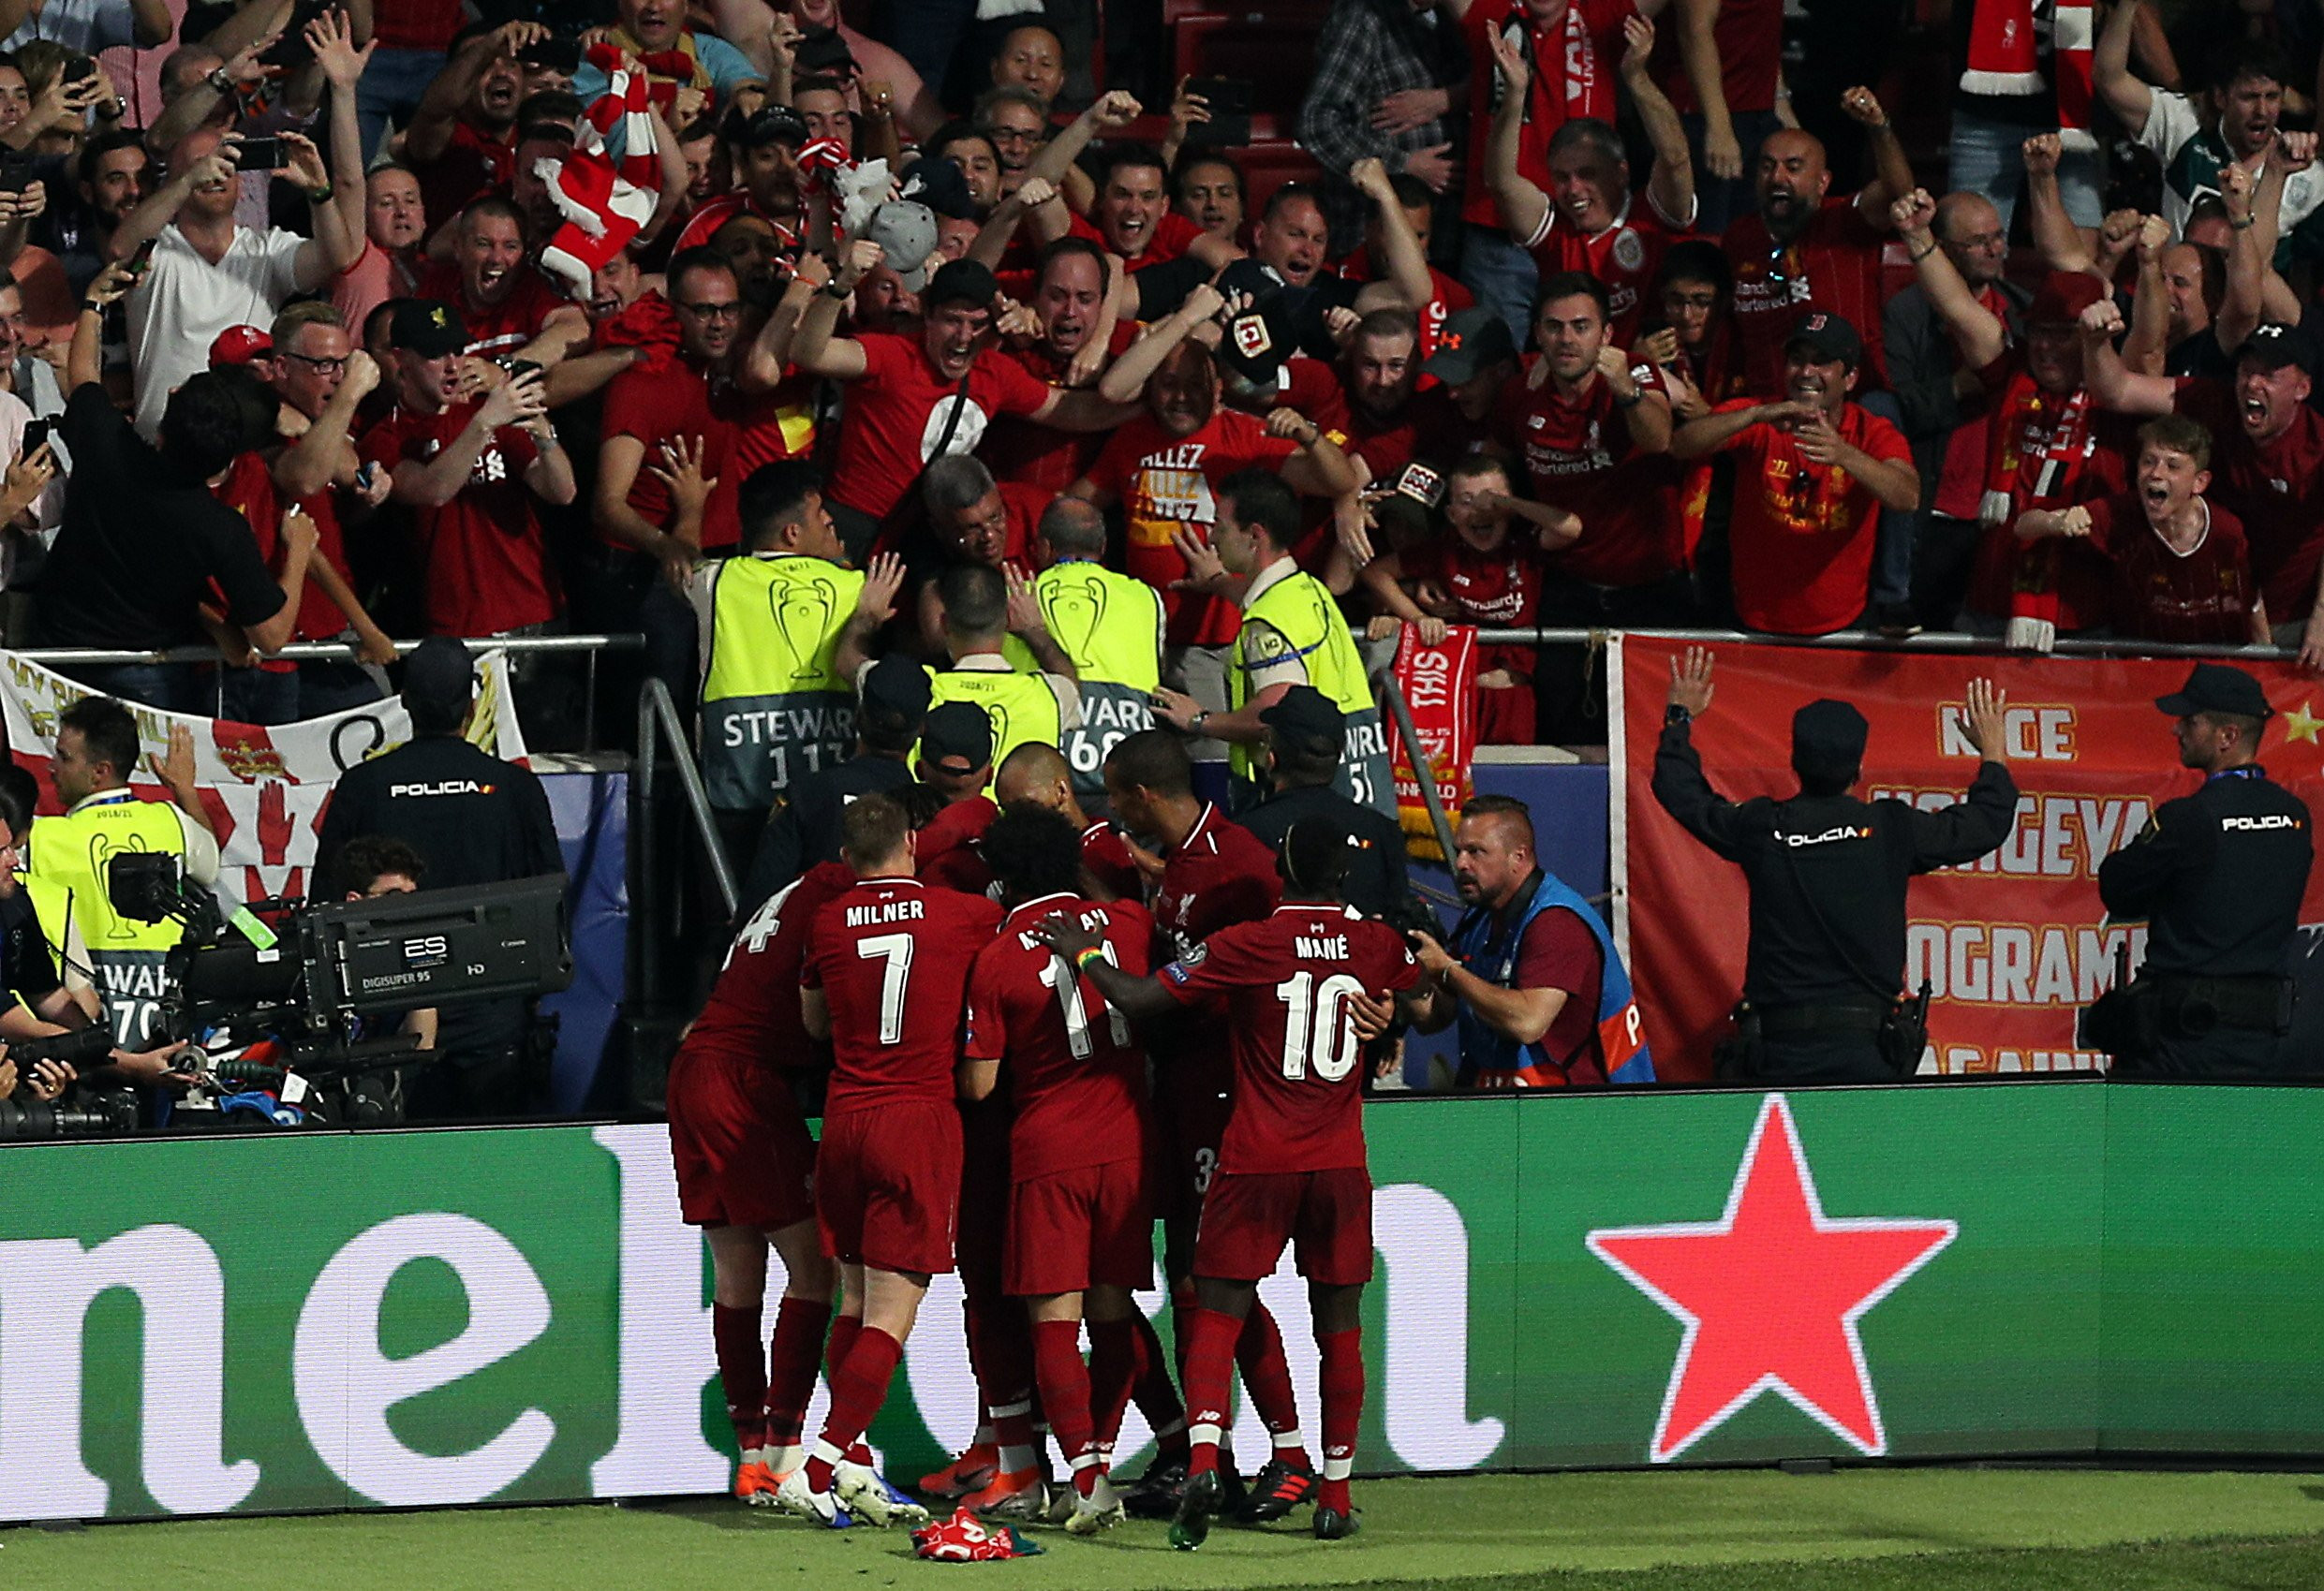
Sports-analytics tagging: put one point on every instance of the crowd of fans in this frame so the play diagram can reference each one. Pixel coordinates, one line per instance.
(398, 319)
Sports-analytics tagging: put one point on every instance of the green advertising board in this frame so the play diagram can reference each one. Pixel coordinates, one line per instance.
(395, 1320)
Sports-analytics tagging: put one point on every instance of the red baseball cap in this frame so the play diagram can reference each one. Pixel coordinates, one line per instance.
(240, 345)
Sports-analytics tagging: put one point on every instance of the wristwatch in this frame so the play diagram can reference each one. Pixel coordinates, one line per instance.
(218, 80)
(831, 289)
(1200, 717)
(1675, 715)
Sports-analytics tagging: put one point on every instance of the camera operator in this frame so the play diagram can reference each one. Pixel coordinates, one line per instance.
(371, 866)
(1828, 875)
(472, 819)
(97, 750)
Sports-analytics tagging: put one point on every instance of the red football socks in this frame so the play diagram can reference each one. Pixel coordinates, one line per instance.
(857, 1392)
(1267, 1376)
(1341, 1390)
(1156, 1395)
(791, 1359)
(1065, 1394)
(1112, 1370)
(742, 1374)
(843, 1330)
(1209, 1367)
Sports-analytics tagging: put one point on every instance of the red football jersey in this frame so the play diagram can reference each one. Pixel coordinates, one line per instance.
(1105, 857)
(1298, 1063)
(946, 848)
(1579, 456)
(1076, 1074)
(487, 563)
(1219, 875)
(753, 1010)
(891, 957)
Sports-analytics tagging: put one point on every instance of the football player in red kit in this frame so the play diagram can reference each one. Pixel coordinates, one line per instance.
(746, 1170)
(1038, 772)
(1079, 1230)
(1215, 874)
(885, 976)
(1292, 1166)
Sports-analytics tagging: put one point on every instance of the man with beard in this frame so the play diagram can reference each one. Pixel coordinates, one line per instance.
(462, 140)
(207, 272)
(911, 402)
(1592, 223)
(1395, 248)
(1948, 416)
(2236, 122)
(974, 155)
(1806, 248)
(111, 175)
(510, 309)
(1474, 358)
(2046, 448)
(1079, 334)
(765, 147)
(1814, 472)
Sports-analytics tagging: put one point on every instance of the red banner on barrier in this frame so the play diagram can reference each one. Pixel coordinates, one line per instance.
(1440, 686)
(2012, 945)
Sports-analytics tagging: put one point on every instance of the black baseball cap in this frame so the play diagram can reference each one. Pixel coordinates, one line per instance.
(427, 327)
(958, 737)
(1828, 338)
(895, 698)
(1306, 718)
(2217, 688)
(2277, 343)
(1828, 739)
(960, 281)
(940, 185)
(768, 123)
(438, 672)
(1472, 339)
(1259, 341)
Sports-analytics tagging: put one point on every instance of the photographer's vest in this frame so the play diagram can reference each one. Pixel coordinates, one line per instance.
(1622, 1034)
(772, 707)
(128, 957)
(1021, 706)
(1111, 626)
(1302, 613)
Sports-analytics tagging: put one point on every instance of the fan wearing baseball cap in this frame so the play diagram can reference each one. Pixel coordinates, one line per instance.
(2268, 449)
(2218, 875)
(2048, 447)
(1812, 472)
(910, 401)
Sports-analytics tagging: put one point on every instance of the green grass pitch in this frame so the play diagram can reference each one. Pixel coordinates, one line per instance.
(1994, 1529)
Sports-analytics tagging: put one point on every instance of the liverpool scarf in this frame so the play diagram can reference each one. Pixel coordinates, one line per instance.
(2040, 442)
(2005, 52)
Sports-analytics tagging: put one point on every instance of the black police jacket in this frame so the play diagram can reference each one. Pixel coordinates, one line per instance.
(1827, 873)
(1378, 877)
(2218, 875)
(473, 817)
(803, 827)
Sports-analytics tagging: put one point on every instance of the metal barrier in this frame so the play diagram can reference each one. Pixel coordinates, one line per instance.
(1873, 640)
(658, 725)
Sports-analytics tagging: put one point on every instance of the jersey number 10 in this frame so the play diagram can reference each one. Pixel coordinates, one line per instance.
(1319, 1028)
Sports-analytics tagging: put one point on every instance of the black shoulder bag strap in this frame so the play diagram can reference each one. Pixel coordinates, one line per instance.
(907, 507)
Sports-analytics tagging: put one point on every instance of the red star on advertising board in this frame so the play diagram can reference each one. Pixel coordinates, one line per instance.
(1769, 1294)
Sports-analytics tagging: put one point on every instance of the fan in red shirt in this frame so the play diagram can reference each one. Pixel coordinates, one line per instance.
(885, 976)
(1487, 573)
(1811, 475)
(1215, 874)
(1291, 1166)
(508, 307)
(470, 471)
(461, 141)
(2180, 570)
(1595, 223)
(1590, 430)
(1070, 295)
(1804, 249)
(1571, 49)
(1079, 1229)
(745, 1169)
(907, 400)
(1133, 218)
(1162, 466)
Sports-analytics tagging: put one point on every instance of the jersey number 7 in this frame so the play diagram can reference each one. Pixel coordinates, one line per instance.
(897, 948)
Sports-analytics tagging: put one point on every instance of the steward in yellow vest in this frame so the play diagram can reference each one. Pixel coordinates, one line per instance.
(1109, 626)
(774, 704)
(1292, 634)
(980, 613)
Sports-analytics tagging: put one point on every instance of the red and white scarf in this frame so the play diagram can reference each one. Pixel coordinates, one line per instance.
(1570, 77)
(604, 205)
(2019, 478)
(2005, 52)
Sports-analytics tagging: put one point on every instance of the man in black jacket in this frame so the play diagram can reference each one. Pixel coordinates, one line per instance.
(2218, 875)
(1305, 734)
(1828, 875)
(474, 818)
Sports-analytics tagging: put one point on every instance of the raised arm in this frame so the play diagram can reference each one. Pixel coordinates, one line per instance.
(1975, 331)
(1894, 172)
(1522, 207)
(1406, 266)
(1125, 379)
(2130, 98)
(2111, 385)
(1698, 52)
(2062, 246)
(2148, 343)
(1671, 188)
(764, 361)
(813, 348)
(333, 248)
(240, 42)
(332, 38)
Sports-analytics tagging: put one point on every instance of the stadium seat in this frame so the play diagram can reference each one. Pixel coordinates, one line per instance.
(1269, 49)
(1269, 165)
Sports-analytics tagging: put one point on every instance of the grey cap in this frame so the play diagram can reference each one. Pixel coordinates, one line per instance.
(906, 233)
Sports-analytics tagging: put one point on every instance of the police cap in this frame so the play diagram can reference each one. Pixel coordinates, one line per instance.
(1827, 740)
(1306, 719)
(2217, 688)
(440, 673)
(958, 737)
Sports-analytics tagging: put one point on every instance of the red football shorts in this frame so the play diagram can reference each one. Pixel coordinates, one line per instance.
(983, 1198)
(740, 1146)
(887, 1186)
(1072, 1229)
(1325, 1216)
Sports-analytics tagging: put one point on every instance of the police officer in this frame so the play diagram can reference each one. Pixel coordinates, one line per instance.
(97, 751)
(804, 827)
(1305, 732)
(2218, 875)
(1827, 876)
(474, 820)
(1110, 625)
(1292, 633)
